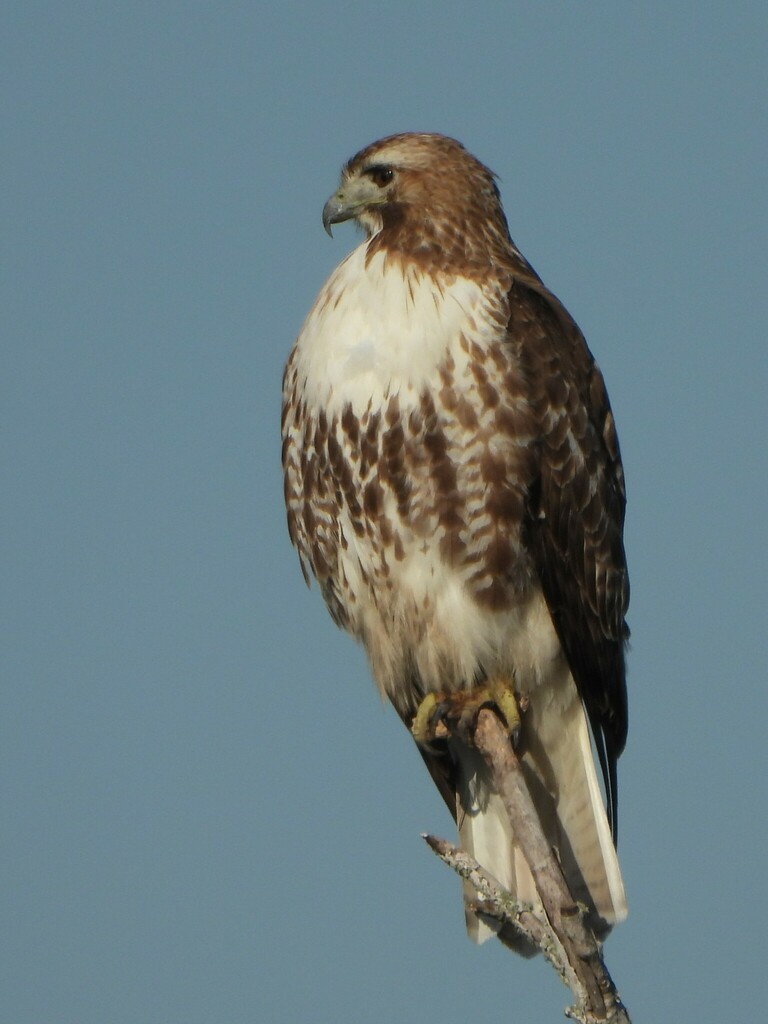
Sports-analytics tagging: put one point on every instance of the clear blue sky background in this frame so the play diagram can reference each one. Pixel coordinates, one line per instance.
(208, 817)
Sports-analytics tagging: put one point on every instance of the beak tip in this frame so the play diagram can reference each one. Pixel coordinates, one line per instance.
(330, 212)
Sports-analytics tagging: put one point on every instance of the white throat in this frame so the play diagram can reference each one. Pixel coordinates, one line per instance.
(381, 329)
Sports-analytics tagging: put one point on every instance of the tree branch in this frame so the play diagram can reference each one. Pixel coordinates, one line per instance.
(562, 935)
(497, 903)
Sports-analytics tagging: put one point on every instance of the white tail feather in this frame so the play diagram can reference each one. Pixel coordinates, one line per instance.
(560, 770)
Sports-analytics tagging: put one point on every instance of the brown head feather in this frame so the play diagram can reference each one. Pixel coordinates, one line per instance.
(437, 206)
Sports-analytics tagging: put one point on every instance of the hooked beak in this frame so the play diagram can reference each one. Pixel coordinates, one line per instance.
(334, 212)
(349, 200)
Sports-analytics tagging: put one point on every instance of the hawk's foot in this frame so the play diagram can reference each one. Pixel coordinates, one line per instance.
(506, 705)
(425, 720)
(439, 714)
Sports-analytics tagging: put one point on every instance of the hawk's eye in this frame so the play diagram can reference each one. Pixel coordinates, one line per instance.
(380, 174)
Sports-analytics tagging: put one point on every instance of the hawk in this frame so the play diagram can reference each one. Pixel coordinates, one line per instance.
(453, 482)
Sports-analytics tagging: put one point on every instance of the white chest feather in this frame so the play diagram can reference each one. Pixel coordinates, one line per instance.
(381, 337)
(376, 330)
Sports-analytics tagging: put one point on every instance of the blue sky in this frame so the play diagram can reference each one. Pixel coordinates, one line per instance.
(208, 817)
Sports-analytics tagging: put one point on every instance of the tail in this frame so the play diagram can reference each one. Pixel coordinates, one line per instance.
(557, 760)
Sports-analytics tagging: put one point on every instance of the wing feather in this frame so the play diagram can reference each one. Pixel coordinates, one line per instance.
(575, 515)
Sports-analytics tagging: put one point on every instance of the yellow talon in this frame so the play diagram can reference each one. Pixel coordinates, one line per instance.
(422, 728)
(505, 700)
(440, 713)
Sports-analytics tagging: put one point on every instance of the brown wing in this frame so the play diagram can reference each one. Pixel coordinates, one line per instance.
(576, 512)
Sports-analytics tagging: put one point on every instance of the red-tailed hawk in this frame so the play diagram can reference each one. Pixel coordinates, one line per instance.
(454, 484)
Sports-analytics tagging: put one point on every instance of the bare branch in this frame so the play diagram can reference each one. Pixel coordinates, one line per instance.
(563, 935)
(497, 903)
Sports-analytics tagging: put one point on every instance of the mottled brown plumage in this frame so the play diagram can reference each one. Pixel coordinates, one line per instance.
(453, 482)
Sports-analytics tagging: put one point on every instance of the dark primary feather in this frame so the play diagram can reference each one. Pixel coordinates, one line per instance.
(576, 512)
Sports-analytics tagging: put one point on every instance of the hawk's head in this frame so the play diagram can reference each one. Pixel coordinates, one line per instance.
(426, 197)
